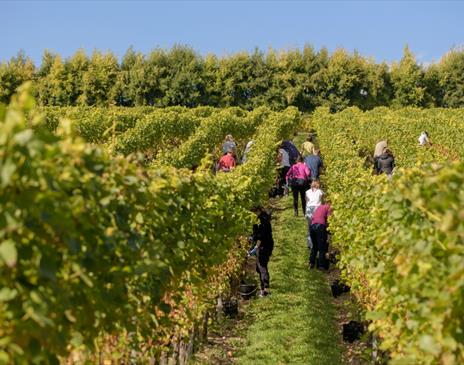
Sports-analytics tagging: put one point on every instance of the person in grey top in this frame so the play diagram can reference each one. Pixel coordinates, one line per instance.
(229, 145)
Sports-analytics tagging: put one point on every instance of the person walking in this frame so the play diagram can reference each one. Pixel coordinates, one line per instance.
(314, 163)
(297, 178)
(262, 236)
(386, 162)
(313, 200)
(307, 148)
(318, 232)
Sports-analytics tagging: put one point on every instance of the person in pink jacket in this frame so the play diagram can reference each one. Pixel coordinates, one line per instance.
(298, 179)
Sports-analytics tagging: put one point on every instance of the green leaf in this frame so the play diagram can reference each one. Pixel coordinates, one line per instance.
(7, 294)
(8, 252)
(374, 316)
(22, 138)
(428, 344)
(139, 218)
(4, 358)
(7, 171)
(77, 339)
(69, 315)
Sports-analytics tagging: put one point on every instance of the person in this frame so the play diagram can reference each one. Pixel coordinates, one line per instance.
(297, 178)
(379, 149)
(262, 236)
(424, 139)
(229, 145)
(386, 162)
(313, 200)
(307, 148)
(314, 164)
(247, 150)
(292, 151)
(227, 162)
(284, 165)
(318, 232)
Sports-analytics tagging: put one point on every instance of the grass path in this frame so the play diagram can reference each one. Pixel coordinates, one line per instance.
(297, 323)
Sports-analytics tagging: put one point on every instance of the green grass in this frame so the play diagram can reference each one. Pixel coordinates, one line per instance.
(297, 323)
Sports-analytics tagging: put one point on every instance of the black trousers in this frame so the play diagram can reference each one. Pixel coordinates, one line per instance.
(299, 190)
(318, 233)
(262, 259)
(282, 175)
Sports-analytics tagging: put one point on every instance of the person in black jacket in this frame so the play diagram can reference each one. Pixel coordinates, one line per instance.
(386, 162)
(292, 151)
(262, 236)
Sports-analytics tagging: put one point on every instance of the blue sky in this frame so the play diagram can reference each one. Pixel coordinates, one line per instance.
(374, 28)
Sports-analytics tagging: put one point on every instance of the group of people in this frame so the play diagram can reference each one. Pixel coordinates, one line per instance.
(300, 172)
(384, 161)
(228, 160)
(303, 179)
(297, 170)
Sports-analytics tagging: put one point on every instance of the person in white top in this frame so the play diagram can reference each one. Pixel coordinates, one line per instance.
(247, 150)
(313, 200)
(424, 138)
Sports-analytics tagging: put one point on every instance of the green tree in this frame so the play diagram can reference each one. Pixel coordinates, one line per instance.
(13, 73)
(435, 92)
(53, 88)
(99, 79)
(76, 67)
(212, 93)
(184, 82)
(129, 89)
(343, 82)
(408, 81)
(451, 78)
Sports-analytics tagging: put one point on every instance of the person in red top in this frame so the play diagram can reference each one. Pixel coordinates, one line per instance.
(318, 233)
(227, 162)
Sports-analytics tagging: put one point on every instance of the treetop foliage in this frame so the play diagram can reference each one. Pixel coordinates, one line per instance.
(303, 78)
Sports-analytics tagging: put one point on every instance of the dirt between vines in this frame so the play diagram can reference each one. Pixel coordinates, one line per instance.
(225, 339)
(355, 353)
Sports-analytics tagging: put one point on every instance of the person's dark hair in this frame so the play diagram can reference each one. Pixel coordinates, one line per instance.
(309, 138)
(300, 159)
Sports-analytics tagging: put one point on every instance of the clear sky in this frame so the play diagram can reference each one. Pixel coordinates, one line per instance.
(374, 28)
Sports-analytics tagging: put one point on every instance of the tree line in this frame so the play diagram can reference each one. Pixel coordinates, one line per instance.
(303, 78)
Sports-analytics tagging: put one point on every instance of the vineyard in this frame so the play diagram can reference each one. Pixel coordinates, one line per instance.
(95, 244)
(117, 238)
(401, 240)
